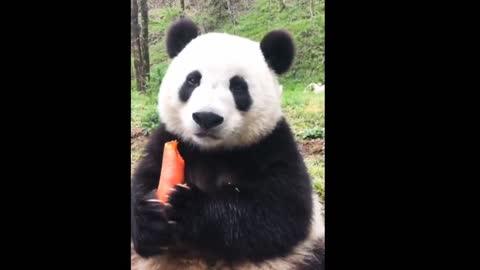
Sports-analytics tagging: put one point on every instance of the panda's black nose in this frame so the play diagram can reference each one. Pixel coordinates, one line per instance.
(207, 120)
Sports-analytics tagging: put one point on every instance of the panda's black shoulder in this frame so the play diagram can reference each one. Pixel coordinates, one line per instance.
(279, 145)
(281, 136)
(277, 152)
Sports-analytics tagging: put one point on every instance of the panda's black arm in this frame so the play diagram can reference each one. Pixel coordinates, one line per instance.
(147, 174)
(150, 229)
(250, 223)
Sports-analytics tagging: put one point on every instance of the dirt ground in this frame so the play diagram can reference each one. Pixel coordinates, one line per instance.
(312, 147)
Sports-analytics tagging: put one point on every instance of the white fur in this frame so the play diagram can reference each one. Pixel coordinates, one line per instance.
(300, 253)
(219, 57)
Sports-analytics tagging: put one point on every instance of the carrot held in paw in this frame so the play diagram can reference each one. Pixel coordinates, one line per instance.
(172, 172)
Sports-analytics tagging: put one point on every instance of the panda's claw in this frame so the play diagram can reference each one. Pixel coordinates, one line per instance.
(183, 186)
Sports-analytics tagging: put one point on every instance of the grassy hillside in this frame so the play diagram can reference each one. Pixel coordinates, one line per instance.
(306, 31)
(304, 110)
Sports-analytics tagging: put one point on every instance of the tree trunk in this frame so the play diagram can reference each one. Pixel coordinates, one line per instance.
(136, 48)
(282, 5)
(231, 12)
(182, 5)
(144, 40)
(312, 12)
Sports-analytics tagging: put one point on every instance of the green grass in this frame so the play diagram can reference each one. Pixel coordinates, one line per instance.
(139, 103)
(316, 167)
(307, 32)
(305, 113)
(159, 21)
(144, 105)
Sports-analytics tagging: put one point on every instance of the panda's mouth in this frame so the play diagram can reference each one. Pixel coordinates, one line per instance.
(205, 134)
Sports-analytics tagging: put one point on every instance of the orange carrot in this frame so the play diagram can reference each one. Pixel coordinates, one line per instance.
(172, 172)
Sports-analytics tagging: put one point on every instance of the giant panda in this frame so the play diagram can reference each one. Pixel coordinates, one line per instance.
(248, 202)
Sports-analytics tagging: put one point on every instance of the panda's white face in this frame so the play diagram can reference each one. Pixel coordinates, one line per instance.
(219, 92)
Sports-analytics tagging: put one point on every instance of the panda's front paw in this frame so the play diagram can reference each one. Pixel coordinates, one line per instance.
(181, 202)
(151, 230)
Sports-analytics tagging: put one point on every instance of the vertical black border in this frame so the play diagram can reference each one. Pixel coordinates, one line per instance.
(394, 178)
(371, 125)
(72, 186)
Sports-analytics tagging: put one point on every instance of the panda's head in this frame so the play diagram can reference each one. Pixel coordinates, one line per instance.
(221, 90)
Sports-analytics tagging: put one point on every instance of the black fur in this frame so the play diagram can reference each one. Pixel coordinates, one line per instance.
(179, 35)
(239, 89)
(278, 49)
(251, 203)
(191, 82)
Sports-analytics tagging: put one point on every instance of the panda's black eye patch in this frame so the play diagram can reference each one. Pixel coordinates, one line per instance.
(191, 82)
(239, 89)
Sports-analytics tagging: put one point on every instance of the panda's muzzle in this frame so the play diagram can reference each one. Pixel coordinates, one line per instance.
(206, 134)
(207, 120)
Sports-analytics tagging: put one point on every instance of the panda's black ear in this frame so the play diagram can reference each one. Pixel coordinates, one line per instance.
(278, 49)
(179, 35)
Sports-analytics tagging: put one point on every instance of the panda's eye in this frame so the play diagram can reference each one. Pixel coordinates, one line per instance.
(193, 79)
